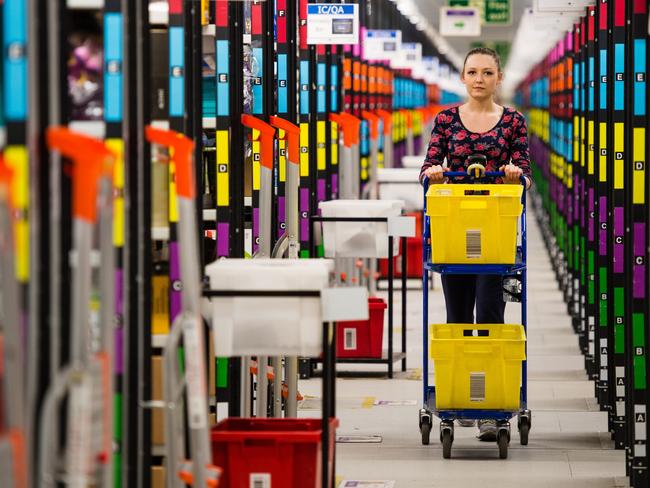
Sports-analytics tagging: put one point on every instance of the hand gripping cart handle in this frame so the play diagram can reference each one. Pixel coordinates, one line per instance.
(198, 470)
(87, 380)
(13, 463)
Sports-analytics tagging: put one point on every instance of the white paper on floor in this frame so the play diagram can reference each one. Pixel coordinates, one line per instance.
(371, 439)
(395, 403)
(366, 484)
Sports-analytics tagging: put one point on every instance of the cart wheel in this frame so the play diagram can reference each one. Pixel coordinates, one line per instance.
(447, 441)
(425, 429)
(524, 429)
(502, 442)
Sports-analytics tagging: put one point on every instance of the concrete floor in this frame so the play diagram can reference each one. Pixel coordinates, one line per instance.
(569, 443)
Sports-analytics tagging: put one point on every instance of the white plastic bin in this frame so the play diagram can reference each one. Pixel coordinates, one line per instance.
(249, 326)
(401, 184)
(359, 239)
(413, 161)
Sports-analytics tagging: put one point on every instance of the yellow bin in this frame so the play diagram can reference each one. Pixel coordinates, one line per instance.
(474, 224)
(477, 366)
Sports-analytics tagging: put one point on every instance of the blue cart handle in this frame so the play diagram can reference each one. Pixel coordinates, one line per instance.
(462, 174)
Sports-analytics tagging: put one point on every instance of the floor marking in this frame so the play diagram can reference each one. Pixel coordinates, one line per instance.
(359, 439)
(368, 402)
(396, 403)
(414, 374)
(367, 484)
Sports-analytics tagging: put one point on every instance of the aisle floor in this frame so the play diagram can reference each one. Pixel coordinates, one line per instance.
(569, 443)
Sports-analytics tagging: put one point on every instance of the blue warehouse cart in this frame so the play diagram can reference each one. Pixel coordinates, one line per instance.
(514, 276)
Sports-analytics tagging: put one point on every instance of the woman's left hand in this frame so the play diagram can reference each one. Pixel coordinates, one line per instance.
(513, 173)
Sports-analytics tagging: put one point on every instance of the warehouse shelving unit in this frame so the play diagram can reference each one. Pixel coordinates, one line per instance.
(592, 203)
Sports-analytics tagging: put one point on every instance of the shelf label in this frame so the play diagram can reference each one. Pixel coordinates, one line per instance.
(331, 23)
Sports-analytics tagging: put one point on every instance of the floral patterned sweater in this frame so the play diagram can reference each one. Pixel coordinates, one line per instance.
(506, 141)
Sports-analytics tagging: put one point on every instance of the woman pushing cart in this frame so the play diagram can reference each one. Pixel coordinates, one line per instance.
(480, 370)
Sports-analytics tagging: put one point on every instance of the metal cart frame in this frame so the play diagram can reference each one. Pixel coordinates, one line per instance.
(447, 417)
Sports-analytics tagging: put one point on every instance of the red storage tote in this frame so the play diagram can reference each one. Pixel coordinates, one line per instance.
(362, 338)
(413, 260)
(414, 256)
(274, 453)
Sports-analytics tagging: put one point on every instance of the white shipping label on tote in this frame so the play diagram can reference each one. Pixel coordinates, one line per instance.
(331, 23)
(381, 45)
(460, 22)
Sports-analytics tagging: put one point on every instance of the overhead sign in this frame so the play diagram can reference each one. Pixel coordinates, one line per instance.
(498, 12)
(460, 22)
(429, 70)
(410, 56)
(332, 23)
(380, 45)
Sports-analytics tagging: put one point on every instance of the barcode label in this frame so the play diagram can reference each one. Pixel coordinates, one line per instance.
(350, 342)
(260, 480)
(473, 244)
(477, 387)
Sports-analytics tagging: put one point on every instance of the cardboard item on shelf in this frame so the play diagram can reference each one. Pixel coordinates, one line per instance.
(157, 415)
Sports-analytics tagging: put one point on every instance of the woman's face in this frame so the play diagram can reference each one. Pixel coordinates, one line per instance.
(481, 76)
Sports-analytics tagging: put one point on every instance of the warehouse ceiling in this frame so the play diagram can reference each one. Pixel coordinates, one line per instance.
(430, 10)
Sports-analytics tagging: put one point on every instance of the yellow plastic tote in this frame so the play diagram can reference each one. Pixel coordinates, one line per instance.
(474, 224)
(477, 366)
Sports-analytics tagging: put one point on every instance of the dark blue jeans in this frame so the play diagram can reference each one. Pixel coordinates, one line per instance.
(463, 292)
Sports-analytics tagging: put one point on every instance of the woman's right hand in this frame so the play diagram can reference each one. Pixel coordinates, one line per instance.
(435, 174)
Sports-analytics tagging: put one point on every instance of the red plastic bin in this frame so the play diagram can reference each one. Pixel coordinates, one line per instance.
(413, 260)
(362, 338)
(283, 453)
(414, 256)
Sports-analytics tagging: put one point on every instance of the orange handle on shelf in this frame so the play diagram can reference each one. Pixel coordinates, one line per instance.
(425, 113)
(6, 178)
(213, 472)
(183, 147)
(387, 119)
(373, 122)
(16, 440)
(349, 125)
(91, 159)
(292, 136)
(265, 136)
(433, 110)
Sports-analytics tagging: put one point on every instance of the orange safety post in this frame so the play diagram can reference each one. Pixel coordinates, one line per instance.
(373, 121)
(265, 136)
(387, 119)
(183, 148)
(350, 125)
(292, 136)
(6, 177)
(92, 160)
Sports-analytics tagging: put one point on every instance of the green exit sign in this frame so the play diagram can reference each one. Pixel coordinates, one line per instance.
(498, 12)
(493, 12)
